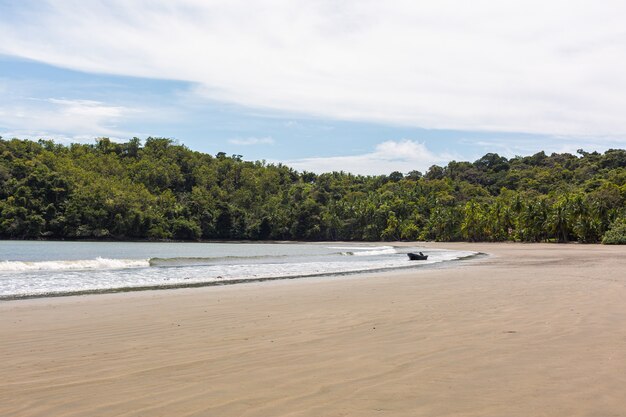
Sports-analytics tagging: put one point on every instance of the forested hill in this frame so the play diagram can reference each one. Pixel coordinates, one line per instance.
(161, 190)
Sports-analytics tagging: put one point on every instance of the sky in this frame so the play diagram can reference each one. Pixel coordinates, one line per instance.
(362, 86)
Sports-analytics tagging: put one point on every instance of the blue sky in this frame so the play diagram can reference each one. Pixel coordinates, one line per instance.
(324, 87)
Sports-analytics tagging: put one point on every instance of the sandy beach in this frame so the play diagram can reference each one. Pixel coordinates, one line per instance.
(531, 330)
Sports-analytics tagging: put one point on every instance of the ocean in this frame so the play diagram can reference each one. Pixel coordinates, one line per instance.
(42, 268)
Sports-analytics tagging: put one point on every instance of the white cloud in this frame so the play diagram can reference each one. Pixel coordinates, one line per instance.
(252, 141)
(525, 66)
(404, 156)
(83, 119)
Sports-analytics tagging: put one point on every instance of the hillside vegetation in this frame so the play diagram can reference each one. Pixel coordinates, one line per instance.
(161, 190)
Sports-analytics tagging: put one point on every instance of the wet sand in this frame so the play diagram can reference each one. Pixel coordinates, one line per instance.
(533, 330)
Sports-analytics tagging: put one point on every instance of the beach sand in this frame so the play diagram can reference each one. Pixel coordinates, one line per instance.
(533, 330)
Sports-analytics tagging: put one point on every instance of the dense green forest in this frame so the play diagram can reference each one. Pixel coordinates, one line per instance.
(162, 190)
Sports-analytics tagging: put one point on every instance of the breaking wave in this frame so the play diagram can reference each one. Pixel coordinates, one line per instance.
(98, 263)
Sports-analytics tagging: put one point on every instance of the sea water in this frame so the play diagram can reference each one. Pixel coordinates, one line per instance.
(39, 269)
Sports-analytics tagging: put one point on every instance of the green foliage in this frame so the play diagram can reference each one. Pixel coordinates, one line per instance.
(616, 235)
(162, 190)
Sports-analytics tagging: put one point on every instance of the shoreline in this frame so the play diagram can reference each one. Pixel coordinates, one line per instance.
(533, 329)
(182, 285)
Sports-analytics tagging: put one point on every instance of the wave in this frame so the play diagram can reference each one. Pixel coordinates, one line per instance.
(205, 261)
(358, 248)
(366, 251)
(202, 261)
(108, 263)
(98, 263)
(386, 251)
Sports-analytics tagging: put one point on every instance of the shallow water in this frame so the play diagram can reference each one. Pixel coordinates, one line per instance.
(30, 269)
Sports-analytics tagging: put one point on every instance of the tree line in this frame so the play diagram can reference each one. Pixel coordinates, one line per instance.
(163, 190)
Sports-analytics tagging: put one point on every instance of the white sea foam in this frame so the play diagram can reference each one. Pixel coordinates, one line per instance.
(366, 250)
(98, 263)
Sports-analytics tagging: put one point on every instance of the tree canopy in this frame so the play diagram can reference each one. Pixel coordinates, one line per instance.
(163, 190)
